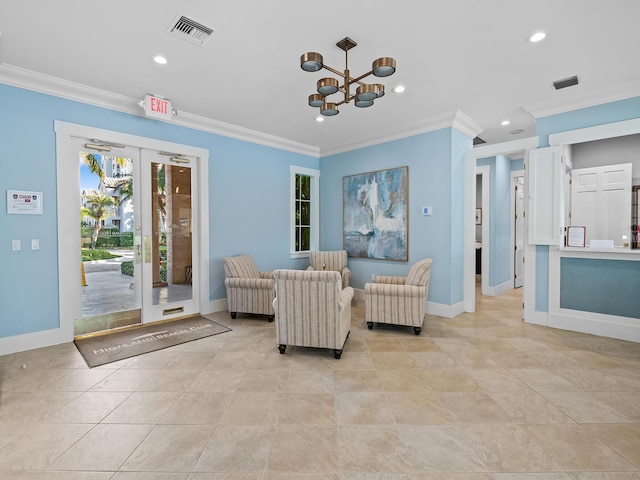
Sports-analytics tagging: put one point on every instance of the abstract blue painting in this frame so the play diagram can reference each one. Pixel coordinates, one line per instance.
(375, 214)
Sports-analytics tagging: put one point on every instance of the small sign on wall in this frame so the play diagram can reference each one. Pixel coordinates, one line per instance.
(20, 202)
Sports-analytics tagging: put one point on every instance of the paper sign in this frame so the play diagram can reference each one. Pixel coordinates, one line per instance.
(20, 202)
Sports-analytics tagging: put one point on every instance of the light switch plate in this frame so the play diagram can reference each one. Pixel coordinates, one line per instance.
(35, 244)
(15, 245)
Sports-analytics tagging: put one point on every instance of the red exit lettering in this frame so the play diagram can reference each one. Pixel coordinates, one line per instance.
(158, 105)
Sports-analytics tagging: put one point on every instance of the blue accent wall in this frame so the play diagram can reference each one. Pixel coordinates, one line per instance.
(248, 189)
(435, 162)
(600, 286)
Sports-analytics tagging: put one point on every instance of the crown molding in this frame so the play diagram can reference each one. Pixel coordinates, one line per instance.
(554, 107)
(455, 119)
(30, 80)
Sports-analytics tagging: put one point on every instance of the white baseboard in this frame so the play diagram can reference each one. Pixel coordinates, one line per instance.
(214, 306)
(498, 290)
(537, 318)
(621, 328)
(31, 341)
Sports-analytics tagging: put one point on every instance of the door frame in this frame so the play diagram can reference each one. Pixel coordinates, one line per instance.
(68, 185)
(484, 172)
(471, 156)
(515, 174)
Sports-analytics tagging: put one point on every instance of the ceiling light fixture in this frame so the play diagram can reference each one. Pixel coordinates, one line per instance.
(365, 93)
(159, 59)
(505, 122)
(399, 89)
(536, 37)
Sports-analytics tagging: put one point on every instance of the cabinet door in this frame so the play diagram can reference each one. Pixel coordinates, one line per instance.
(544, 199)
(601, 201)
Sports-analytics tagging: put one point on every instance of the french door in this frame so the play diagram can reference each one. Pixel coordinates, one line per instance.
(138, 236)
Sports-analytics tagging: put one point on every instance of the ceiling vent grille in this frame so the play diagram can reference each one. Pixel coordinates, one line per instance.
(566, 82)
(190, 30)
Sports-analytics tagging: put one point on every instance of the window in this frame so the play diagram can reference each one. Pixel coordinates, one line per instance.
(304, 211)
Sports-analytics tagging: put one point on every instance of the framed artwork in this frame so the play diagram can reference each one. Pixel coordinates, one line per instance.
(576, 236)
(375, 214)
(478, 216)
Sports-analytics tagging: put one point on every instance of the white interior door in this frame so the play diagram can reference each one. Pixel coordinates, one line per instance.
(169, 236)
(518, 264)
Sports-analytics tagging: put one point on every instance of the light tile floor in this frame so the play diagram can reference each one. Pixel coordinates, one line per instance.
(482, 396)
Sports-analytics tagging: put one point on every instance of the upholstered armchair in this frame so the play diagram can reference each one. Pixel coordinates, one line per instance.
(335, 261)
(399, 300)
(312, 309)
(248, 290)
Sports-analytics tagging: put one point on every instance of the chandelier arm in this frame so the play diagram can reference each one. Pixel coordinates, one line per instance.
(333, 70)
(357, 79)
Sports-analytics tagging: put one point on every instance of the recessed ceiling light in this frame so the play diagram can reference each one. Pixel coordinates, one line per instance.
(319, 119)
(160, 59)
(399, 89)
(536, 37)
(505, 122)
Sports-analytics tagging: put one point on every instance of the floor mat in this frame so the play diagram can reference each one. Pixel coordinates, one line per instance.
(111, 347)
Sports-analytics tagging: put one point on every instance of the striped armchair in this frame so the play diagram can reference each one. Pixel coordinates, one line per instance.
(335, 261)
(399, 300)
(312, 309)
(248, 290)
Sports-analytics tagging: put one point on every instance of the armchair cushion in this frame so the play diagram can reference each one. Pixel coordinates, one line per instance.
(241, 266)
(335, 261)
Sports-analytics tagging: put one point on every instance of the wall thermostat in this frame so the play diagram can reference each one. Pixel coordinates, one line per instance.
(426, 211)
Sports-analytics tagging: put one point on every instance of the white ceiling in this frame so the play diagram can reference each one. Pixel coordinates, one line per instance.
(455, 55)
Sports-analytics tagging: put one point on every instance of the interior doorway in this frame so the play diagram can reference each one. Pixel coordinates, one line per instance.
(517, 216)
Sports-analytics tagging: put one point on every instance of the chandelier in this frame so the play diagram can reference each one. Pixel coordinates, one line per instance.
(365, 93)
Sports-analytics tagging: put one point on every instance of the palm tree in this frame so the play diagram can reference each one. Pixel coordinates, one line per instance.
(95, 166)
(98, 208)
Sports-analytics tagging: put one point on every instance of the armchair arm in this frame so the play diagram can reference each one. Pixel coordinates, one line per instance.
(345, 297)
(390, 280)
(266, 275)
(263, 283)
(346, 276)
(386, 289)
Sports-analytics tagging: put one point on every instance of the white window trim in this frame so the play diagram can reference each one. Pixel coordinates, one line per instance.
(315, 209)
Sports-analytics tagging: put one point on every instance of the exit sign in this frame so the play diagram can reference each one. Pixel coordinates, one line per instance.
(157, 107)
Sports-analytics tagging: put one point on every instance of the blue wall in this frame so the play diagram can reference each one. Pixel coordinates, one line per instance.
(248, 189)
(435, 162)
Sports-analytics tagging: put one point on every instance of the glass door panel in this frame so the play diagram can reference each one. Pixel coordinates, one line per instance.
(169, 238)
(111, 294)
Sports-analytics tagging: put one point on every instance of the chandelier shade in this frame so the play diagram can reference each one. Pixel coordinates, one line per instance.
(365, 93)
(327, 86)
(311, 62)
(329, 109)
(316, 100)
(383, 67)
(363, 103)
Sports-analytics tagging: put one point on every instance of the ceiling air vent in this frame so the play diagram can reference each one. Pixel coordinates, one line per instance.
(478, 141)
(566, 82)
(190, 30)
